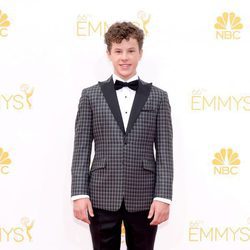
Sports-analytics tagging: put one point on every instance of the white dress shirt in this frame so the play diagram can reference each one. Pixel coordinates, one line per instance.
(125, 98)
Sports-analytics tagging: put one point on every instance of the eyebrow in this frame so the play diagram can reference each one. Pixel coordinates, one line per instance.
(121, 49)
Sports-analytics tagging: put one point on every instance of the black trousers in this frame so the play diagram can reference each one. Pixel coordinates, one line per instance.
(105, 229)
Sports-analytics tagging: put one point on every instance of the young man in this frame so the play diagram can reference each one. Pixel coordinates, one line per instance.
(126, 117)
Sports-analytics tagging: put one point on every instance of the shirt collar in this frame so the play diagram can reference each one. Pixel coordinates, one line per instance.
(115, 77)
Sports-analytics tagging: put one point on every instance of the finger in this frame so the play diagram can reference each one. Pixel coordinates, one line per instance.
(90, 209)
(164, 216)
(77, 214)
(161, 218)
(85, 217)
(81, 215)
(151, 212)
(155, 220)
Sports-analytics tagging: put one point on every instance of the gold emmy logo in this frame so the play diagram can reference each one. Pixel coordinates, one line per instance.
(201, 101)
(17, 234)
(4, 24)
(198, 232)
(5, 161)
(28, 226)
(226, 162)
(28, 93)
(86, 26)
(17, 101)
(228, 26)
(145, 18)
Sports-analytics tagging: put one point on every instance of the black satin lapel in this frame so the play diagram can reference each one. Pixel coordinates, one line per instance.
(140, 99)
(109, 93)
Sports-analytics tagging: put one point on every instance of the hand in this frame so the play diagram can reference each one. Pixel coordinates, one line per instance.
(81, 208)
(160, 211)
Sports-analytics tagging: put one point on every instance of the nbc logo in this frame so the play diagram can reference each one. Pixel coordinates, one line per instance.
(4, 23)
(226, 162)
(228, 26)
(5, 161)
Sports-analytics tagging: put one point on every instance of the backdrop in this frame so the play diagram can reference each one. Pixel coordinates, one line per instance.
(197, 51)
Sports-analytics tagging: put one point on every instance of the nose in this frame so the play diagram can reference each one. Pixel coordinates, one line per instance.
(124, 56)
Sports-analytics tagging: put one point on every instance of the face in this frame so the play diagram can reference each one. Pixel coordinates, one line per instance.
(125, 57)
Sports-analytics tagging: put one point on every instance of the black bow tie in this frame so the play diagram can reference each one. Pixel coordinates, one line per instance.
(133, 85)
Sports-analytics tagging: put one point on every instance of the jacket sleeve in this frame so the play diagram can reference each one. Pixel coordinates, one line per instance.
(164, 150)
(82, 147)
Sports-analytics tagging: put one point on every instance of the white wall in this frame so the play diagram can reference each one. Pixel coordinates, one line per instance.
(40, 49)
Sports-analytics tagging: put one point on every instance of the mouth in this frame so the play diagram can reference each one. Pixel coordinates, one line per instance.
(125, 66)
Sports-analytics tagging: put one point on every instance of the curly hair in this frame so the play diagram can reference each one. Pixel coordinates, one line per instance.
(123, 30)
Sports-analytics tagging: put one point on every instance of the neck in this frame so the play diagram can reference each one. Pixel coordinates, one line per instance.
(125, 78)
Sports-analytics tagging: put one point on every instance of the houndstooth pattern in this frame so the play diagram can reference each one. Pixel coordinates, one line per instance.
(122, 170)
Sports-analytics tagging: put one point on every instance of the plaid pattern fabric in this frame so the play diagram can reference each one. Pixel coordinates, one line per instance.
(124, 166)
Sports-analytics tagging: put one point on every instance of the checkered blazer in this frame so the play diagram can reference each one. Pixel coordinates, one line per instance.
(124, 166)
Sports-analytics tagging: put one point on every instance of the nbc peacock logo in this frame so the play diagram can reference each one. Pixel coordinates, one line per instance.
(226, 162)
(4, 24)
(5, 161)
(228, 26)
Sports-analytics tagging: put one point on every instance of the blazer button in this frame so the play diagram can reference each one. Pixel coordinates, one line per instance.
(125, 140)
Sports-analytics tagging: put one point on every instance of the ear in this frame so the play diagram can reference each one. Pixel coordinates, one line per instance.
(108, 54)
(141, 53)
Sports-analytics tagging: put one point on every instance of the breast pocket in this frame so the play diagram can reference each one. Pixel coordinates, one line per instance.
(147, 119)
(148, 110)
